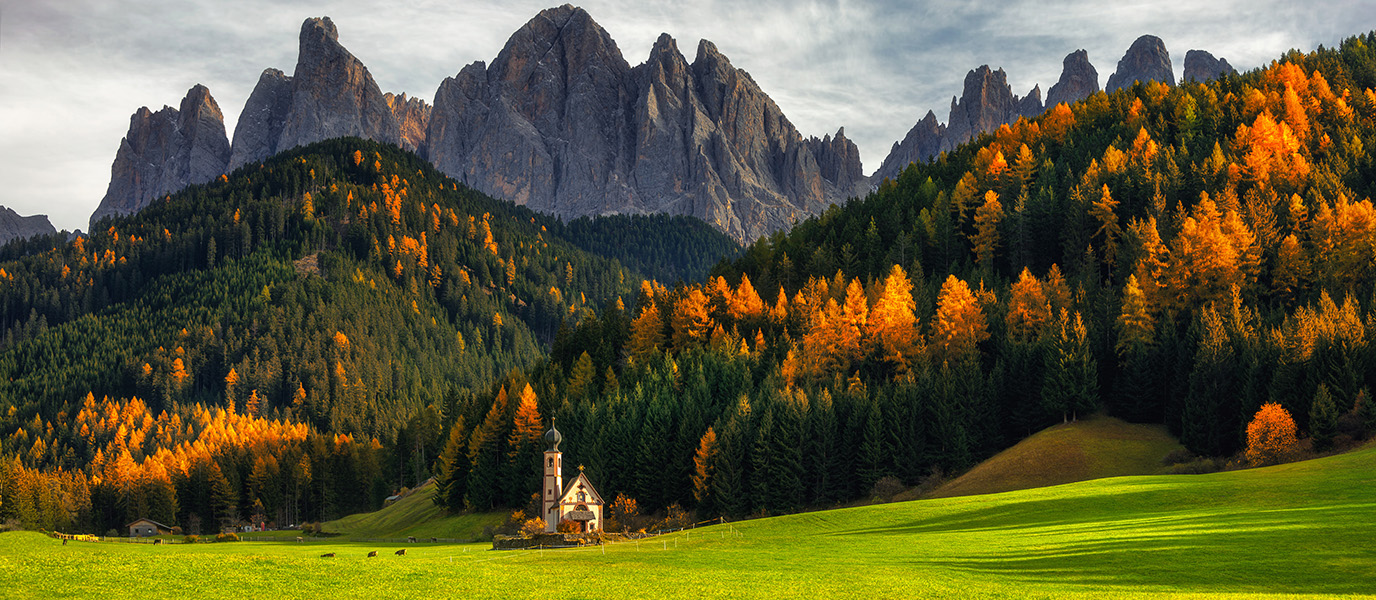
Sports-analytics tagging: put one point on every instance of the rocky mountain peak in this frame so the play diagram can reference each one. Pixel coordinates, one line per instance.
(333, 94)
(165, 151)
(1078, 81)
(1201, 66)
(1146, 60)
(413, 119)
(15, 227)
(984, 104)
(1031, 105)
(261, 121)
(922, 143)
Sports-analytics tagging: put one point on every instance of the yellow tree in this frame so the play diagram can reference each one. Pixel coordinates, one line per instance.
(1028, 308)
(959, 326)
(1135, 325)
(1204, 264)
(892, 324)
(1103, 212)
(745, 302)
(647, 333)
(986, 238)
(691, 322)
(703, 462)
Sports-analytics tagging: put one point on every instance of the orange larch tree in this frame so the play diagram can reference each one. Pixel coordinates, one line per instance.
(1270, 435)
(959, 326)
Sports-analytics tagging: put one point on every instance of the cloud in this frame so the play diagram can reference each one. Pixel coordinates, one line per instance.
(72, 72)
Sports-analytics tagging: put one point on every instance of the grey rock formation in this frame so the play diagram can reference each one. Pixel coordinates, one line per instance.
(260, 123)
(1201, 66)
(1146, 60)
(922, 144)
(839, 161)
(1079, 80)
(413, 118)
(15, 227)
(1030, 106)
(166, 151)
(333, 95)
(986, 103)
(561, 123)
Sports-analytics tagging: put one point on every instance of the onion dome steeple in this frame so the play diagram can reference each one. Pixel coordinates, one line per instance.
(553, 437)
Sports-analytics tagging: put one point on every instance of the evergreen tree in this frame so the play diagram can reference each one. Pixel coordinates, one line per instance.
(1323, 420)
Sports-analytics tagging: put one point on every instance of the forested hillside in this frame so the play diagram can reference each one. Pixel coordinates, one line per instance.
(322, 310)
(1170, 254)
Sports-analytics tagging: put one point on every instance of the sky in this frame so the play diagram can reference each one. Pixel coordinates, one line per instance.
(73, 71)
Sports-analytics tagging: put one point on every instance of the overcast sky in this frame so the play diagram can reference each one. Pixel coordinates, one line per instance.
(72, 71)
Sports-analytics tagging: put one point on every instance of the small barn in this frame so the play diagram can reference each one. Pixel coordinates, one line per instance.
(147, 528)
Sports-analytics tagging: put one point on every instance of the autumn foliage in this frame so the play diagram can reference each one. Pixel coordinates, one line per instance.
(1270, 435)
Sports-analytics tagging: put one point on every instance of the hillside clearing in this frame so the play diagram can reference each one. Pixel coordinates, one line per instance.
(415, 515)
(1091, 448)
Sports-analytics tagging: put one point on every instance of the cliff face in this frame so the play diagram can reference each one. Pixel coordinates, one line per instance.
(15, 227)
(1146, 60)
(986, 103)
(333, 95)
(413, 118)
(922, 144)
(561, 123)
(1078, 80)
(166, 151)
(1201, 66)
(260, 123)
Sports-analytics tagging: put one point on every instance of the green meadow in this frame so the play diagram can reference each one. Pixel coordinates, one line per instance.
(1298, 529)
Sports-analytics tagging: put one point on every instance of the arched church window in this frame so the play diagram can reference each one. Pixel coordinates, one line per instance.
(582, 497)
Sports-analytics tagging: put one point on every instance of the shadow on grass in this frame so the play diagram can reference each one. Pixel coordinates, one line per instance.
(1296, 551)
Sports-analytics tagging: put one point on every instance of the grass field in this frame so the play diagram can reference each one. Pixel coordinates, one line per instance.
(1298, 529)
(1091, 448)
(415, 515)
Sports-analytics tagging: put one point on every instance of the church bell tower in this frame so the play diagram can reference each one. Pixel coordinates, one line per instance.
(554, 480)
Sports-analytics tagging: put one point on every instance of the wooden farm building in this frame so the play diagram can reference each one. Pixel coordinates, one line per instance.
(148, 528)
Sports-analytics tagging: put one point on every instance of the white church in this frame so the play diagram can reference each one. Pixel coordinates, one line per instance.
(578, 502)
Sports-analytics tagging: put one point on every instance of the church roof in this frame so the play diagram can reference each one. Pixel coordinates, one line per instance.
(581, 482)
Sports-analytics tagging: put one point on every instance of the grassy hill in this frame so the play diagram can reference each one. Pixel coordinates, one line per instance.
(1285, 530)
(415, 515)
(1091, 448)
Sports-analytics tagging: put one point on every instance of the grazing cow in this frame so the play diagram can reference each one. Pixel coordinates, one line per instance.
(411, 540)
(300, 539)
(401, 552)
(157, 542)
(433, 540)
(372, 554)
(64, 541)
(327, 555)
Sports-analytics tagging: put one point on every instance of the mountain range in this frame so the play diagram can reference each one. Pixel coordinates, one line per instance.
(560, 122)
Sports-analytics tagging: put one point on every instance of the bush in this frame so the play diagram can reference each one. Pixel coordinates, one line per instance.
(567, 527)
(227, 537)
(887, 487)
(112, 532)
(532, 527)
(1198, 466)
(177, 530)
(191, 539)
(1177, 457)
